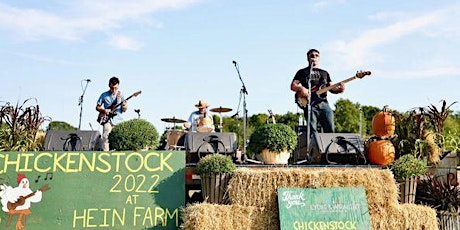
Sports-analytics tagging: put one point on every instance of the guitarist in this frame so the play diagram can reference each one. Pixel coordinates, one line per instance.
(105, 105)
(321, 111)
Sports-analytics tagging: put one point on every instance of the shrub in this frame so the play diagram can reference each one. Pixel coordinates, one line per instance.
(60, 125)
(275, 137)
(408, 166)
(136, 134)
(215, 164)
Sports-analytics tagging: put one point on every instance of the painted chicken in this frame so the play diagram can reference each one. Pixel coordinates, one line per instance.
(17, 201)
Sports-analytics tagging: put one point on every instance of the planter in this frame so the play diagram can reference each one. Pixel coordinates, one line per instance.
(407, 190)
(279, 158)
(448, 221)
(214, 186)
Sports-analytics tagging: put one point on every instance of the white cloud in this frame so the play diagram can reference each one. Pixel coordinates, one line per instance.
(325, 3)
(125, 43)
(80, 18)
(360, 50)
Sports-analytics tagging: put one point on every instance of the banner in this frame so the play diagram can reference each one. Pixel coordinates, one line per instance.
(92, 190)
(323, 208)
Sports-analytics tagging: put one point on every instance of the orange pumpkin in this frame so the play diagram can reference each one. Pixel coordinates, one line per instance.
(383, 123)
(381, 152)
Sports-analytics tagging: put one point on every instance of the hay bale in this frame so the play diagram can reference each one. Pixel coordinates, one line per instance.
(418, 217)
(252, 193)
(255, 187)
(206, 216)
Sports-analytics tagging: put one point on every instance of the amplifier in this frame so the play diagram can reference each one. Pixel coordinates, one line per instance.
(72, 140)
(199, 144)
(341, 148)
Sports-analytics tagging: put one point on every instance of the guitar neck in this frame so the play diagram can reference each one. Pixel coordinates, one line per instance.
(116, 106)
(325, 89)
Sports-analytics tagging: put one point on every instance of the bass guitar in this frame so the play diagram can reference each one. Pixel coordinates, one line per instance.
(318, 93)
(103, 118)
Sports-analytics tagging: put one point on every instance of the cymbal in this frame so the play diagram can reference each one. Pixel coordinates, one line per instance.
(173, 120)
(220, 110)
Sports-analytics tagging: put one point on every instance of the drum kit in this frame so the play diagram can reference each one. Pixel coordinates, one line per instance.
(204, 125)
(174, 135)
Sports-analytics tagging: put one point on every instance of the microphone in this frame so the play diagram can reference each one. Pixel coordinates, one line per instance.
(88, 80)
(234, 62)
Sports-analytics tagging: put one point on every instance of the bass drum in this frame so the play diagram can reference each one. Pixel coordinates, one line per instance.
(175, 139)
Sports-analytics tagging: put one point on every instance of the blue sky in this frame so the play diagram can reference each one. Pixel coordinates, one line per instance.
(180, 51)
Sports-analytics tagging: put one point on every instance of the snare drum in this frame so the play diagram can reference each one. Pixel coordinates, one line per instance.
(204, 125)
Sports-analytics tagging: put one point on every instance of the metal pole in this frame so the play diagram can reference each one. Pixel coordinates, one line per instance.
(80, 102)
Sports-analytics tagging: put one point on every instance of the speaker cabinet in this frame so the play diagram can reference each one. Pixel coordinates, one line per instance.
(199, 144)
(72, 140)
(342, 148)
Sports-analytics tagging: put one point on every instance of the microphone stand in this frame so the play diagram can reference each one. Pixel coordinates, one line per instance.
(243, 93)
(80, 102)
(307, 159)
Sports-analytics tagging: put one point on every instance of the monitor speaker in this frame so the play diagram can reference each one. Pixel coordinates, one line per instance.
(341, 148)
(199, 144)
(72, 140)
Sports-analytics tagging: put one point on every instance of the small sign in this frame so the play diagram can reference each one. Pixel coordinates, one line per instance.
(323, 208)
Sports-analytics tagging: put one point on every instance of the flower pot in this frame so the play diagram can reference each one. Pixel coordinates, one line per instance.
(213, 187)
(279, 158)
(407, 189)
(448, 220)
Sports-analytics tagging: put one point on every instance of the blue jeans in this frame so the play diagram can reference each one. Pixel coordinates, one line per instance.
(323, 114)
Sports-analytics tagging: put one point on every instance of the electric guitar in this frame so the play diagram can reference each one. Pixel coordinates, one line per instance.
(103, 118)
(318, 93)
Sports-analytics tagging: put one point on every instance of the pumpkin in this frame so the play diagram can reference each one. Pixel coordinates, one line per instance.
(381, 152)
(383, 123)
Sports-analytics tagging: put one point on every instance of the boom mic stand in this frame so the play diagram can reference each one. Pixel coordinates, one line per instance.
(243, 93)
(80, 102)
(307, 157)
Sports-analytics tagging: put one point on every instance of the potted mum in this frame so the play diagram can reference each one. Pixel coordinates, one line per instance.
(406, 169)
(274, 142)
(215, 171)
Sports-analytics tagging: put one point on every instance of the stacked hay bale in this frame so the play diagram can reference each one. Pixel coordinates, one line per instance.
(255, 191)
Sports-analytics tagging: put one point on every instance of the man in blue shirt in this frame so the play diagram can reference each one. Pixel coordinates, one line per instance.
(109, 115)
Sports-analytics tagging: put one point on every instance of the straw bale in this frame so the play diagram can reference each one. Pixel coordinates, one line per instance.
(258, 187)
(207, 216)
(405, 217)
(253, 198)
(417, 216)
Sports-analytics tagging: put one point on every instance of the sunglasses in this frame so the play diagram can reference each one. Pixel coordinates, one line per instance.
(313, 55)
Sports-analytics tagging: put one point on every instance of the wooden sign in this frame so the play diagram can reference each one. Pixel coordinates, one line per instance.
(323, 208)
(91, 190)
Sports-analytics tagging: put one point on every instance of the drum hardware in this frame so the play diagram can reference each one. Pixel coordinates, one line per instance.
(173, 120)
(220, 110)
(173, 135)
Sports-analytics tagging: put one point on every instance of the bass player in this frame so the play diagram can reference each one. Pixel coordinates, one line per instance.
(321, 111)
(105, 106)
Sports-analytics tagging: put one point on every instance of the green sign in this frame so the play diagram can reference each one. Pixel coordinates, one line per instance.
(92, 190)
(323, 208)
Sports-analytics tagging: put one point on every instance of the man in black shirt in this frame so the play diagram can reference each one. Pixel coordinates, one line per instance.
(321, 111)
